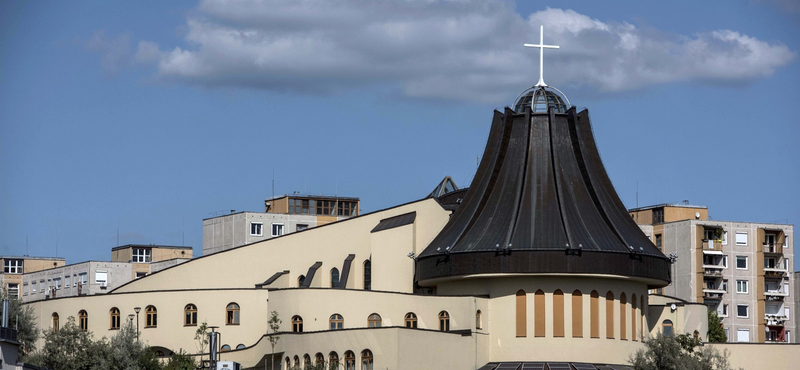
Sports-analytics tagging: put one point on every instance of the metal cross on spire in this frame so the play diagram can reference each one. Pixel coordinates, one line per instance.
(541, 47)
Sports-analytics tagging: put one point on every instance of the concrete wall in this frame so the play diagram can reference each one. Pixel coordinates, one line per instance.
(118, 273)
(752, 356)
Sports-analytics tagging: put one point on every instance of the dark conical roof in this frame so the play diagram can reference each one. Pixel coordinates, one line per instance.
(542, 202)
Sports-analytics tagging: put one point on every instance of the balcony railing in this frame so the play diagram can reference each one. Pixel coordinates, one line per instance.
(772, 248)
(8, 334)
(774, 272)
(713, 294)
(712, 245)
(712, 272)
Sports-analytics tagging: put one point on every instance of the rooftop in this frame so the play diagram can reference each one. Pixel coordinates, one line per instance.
(313, 196)
(662, 205)
(126, 246)
(32, 258)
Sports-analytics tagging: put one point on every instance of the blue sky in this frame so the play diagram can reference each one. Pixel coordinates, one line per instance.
(149, 116)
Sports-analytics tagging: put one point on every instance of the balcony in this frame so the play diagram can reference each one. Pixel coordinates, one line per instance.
(713, 294)
(8, 334)
(712, 245)
(774, 272)
(775, 294)
(775, 320)
(772, 248)
(712, 271)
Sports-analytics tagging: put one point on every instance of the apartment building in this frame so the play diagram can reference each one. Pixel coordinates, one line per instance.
(15, 266)
(282, 215)
(742, 270)
(127, 263)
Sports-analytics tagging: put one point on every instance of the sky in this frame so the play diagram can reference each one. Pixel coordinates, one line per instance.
(131, 122)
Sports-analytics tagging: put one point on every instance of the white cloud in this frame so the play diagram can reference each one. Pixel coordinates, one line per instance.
(460, 49)
(115, 52)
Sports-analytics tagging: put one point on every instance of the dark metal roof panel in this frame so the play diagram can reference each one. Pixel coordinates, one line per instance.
(272, 278)
(345, 271)
(310, 274)
(396, 221)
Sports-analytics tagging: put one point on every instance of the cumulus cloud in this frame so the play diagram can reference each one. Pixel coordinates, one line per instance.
(458, 49)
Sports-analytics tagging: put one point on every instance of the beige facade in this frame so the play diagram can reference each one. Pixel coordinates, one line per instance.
(739, 269)
(14, 267)
(282, 215)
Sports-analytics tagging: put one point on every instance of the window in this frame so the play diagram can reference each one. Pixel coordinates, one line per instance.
(296, 362)
(325, 207)
(724, 238)
(83, 320)
(558, 313)
(337, 322)
(225, 348)
(141, 255)
(300, 280)
(67, 281)
(366, 360)
(374, 321)
(742, 310)
(334, 277)
(301, 206)
(13, 290)
(610, 316)
(478, 319)
(12, 266)
(724, 310)
(256, 229)
(319, 360)
(190, 315)
(623, 329)
(151, 320)
(658, 215)
(114, 318)
(666, 328)
(743, 335)
(277, 229)
(333, 360)
(725, 285)
(367, 275)
(346, 208)
(444, 321)
(725, 261)
(232, 314)
(577, 314)
(411, 320)
(100, 277)
(56, 282)
(306, 361)
(297, 324)
(786, 264)
(349, 360)
(41, 286)
(300, 227)
(594, 314)
(140, 274)
(659, 242)
(741, 238)
(54, 323)
(741, 286)
(741, 262)
(770, 263)
(25, 289)
(786, 312)
(241, 346)
(83, 278)
(521, 314)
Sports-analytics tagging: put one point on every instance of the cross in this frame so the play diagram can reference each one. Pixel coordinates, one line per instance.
(541, 47)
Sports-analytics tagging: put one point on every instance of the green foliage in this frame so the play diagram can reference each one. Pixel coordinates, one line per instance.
(274, 325)
(201, 337)
(181, 361)
(681, 352)
(716, 333)
(24, 320)
(68, 348)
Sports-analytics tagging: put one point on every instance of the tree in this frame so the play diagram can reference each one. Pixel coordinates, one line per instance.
(679, 352)
(274, 325)
(181, 361)
(716, 333)
(24, 320)
(68, 348)
(124, 351)
(201, 339)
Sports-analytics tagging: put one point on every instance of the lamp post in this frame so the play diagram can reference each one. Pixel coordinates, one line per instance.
(137, 309)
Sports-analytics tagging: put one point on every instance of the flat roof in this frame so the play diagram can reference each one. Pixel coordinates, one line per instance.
(662, 205)
(126, 246)
(32, 258)
(313, 196)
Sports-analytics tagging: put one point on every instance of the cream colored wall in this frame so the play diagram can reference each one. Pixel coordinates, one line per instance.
(162, 254)
(297, 252)
(390, 250)
(686, 318)
(760, 356)
(170, 333)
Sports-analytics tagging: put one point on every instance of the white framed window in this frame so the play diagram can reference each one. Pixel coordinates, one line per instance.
(57, 282)
(13, 290)
(67, 281)
(770, 263)
(12, 266)
(301, 227)
(785, 287)
(741, 262)
(725, 261)
(277, 229)
(743, 335)
(256, 228)
(741, 238)
(141, 255)
(786, 312)
(743, 311)
(41, 286)
(724, 237)
(724, 310)
(83, 277)
(140, 274)
(74, 280)
(725, 285)
(101, 277)
(25, 289)
(741, 286)
(728, 335)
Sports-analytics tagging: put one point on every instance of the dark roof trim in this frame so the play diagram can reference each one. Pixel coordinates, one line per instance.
(396, 221)
(126, 246)
(310, 274)
(272, 278)
(662, 205)
(345, 271)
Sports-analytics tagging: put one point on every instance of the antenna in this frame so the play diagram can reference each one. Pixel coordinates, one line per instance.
(637, 194)
(117, 231)
(26, 245)
(273, 183)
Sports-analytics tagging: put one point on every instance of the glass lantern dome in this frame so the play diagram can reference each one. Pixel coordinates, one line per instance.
(539, 98)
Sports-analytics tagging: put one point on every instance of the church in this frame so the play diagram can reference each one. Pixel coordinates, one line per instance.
(537, 265)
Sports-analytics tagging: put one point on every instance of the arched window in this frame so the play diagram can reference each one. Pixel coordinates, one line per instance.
(558, 313)
(538, 314)
(623, 316)
(113, 315)
(296, 362)
(333, 360)
(300, 280)
(478, 319)
(633, 316)
(577, 314)
(610, 315)
(232, 314)
(319, 359)
(411, 320)
(594, 308)
(366, 360)
(334, 277)
(190, 315)
(288, 363)
(297, 324)
(522, 314)
(54, 323)
(444, 321)
(83, 320)
(367, 275)
(241, 346)
(225, 348)
(337, 322)
(666, 327)
(349, 360)
(306, 361)
(152, 317)
(642, 308)
(374, 321)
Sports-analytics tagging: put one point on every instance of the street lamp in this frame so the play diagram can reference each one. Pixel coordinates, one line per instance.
(137, 309)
